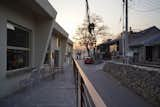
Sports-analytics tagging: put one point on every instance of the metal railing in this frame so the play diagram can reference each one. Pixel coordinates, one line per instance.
(87, 96)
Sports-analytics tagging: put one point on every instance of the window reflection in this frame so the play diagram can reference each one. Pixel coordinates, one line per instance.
(17, 47)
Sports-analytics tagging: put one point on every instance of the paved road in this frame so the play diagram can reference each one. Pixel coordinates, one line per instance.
(57, 92)
(111, 91)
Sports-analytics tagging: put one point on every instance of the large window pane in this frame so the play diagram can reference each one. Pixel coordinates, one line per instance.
(17, 37)
(18, 49)
(17, 59)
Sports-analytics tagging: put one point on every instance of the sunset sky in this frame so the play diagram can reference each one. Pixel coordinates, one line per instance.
(142, 13)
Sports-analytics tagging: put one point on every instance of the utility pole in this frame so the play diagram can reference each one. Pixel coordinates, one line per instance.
(126, 32)
(127, 16)
(125, 36)
(91, 26)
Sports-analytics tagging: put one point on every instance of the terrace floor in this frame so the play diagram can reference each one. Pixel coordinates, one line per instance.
(58, 91)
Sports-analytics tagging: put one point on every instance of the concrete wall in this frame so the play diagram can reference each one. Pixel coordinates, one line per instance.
(144, 81)
(9, 85)
(69, 52)
(43, 36)
(61, 48)
(62, 35)
(54, 45)
(41, 28)
(142, 55)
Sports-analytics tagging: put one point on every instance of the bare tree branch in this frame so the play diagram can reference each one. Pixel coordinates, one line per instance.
(84, 38)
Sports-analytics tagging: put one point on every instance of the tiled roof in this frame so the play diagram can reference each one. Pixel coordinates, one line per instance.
(152, 40)
(144, 37)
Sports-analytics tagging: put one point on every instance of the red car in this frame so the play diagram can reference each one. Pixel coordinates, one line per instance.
(88, 60)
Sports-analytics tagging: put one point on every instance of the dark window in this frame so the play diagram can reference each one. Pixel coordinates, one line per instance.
(17, 59)
(118, 46)
(149, 50)
(18, 38)
(47, 57)
(56, 57)
(159, 52)
(17, 47)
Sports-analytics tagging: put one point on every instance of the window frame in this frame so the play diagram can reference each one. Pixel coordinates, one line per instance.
(29, 49)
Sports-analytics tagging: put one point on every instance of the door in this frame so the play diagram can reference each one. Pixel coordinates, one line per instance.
(149, 50)
(56, 61)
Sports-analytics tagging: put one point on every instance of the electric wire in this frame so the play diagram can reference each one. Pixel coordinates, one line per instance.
(148, 6)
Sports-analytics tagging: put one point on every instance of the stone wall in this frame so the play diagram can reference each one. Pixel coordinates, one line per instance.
(144, 81)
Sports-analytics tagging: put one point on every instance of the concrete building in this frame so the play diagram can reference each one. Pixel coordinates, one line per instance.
(27, 29)
(58, 45)
(69, 51)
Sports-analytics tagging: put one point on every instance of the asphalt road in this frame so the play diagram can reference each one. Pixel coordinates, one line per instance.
(110, 89)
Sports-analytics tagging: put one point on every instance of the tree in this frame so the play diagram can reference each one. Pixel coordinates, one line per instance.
(85, 38)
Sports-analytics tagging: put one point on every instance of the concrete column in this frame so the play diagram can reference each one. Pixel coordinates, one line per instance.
(63, 50)
(43, 36)
(3, 47)
(143, 53)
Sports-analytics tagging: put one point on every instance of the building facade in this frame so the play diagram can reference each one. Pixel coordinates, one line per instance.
(69, 52)
(144, 47)
(58, 46)
(26, 31)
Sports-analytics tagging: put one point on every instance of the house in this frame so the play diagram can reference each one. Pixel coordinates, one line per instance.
(102, 50)
(110, 48)
(26, 31)
(145, 46)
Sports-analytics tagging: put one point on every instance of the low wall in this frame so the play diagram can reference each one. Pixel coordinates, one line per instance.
(144, 81)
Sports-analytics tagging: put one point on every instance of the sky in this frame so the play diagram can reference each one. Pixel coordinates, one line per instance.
(142, 14)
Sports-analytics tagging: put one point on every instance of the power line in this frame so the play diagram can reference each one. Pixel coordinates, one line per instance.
(150, 10)
(147, 4)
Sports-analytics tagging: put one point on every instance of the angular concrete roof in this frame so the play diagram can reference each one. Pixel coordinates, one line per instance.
(47, 7)
(39, 7)
(58, 28)
(70, 41)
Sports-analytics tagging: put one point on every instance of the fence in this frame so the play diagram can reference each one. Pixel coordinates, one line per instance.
(87, 96)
